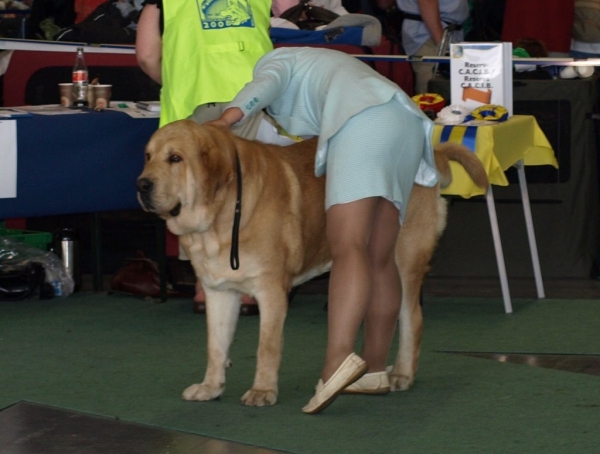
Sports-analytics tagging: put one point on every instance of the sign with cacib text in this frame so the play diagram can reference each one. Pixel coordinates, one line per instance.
(481, 74)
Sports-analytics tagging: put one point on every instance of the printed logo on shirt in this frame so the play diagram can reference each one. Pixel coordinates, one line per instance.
(215, 14)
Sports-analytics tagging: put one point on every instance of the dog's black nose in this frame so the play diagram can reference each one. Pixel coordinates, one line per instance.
(144, 185)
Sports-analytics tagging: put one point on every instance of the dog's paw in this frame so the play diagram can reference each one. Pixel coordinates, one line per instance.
(259, 397)
(399, 382)
(202, 392)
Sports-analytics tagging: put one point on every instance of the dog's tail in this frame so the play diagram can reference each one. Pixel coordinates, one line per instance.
(449, 151)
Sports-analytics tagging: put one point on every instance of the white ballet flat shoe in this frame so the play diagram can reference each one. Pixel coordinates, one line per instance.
(351, 370)
(371, 383)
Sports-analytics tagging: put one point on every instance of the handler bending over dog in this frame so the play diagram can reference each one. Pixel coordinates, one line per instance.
(374, 143)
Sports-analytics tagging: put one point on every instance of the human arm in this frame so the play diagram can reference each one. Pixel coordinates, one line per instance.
(271, 77)
(257, 94)
(148, 43)
(430, 13)
(270, 80)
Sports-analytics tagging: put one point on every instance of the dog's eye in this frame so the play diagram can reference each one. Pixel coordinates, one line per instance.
(175, 158)
(147, 156)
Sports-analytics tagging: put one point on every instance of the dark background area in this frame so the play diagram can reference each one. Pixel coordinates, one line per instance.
(129, 83)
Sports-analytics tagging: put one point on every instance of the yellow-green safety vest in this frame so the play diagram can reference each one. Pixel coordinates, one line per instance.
(209, 51)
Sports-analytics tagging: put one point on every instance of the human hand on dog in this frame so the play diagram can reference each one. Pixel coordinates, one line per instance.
(228, 118)
(218, 123)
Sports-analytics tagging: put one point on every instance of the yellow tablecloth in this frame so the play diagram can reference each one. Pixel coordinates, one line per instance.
(499, 146)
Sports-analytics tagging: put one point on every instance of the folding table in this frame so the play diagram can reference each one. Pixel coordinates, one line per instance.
(518, 142)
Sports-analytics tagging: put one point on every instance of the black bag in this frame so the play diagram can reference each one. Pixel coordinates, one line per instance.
(24, 282)
(48, 16)
(307, 16)
(486, 21)
(391, 23)
(106, 25)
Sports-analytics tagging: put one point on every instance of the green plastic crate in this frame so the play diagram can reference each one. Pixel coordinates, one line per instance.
(39, 240)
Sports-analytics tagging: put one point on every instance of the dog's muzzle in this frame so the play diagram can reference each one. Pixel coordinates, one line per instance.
(145, 186)
(175, 211)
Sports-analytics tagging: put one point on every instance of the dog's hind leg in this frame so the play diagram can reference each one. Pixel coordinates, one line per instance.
(222, 312)
(416, 243)
(273, 305)
(403, 372)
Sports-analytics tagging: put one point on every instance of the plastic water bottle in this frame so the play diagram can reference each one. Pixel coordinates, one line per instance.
(80, 80)
(66, 246)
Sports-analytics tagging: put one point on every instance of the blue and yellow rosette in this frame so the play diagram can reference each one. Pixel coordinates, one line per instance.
(488, 112)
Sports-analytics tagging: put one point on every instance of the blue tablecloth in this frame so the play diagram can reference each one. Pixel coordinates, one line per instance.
(79, 163)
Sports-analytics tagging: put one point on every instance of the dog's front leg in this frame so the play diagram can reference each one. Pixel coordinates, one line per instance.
(273, 306)
(222, 312)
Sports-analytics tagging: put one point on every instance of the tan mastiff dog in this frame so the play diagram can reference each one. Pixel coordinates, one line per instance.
(190, 179)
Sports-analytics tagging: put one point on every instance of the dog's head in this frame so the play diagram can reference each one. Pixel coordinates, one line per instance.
(186, 167)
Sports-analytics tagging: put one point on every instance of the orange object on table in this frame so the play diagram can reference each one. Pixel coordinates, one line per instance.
(430, 101)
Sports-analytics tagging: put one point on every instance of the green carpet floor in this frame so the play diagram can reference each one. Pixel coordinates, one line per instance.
(130, 358)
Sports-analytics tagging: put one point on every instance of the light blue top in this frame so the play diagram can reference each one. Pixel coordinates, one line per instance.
(314, 91)
(415, 33)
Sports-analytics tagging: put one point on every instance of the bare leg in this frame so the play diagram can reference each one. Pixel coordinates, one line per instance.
(348, 232)
(381, 318)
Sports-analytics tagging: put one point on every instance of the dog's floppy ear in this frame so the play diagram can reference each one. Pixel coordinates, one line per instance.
(216, 153)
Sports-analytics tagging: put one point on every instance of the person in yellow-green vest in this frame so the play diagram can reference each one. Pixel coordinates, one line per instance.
(202, 52)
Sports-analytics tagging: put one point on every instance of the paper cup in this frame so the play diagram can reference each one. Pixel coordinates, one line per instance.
(90, 97)
(102, 94)
(66, 94)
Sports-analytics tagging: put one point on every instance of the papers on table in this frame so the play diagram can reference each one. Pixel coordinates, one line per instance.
(132, 110)
(51, 109)
(152, 106)
(8, 112)
(127, 107)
